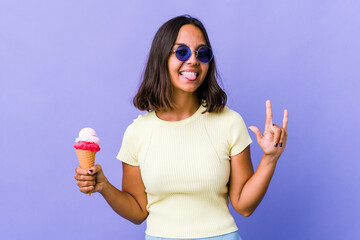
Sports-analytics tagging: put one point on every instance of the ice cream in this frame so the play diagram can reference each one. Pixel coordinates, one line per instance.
(88, 135)
(86, 146)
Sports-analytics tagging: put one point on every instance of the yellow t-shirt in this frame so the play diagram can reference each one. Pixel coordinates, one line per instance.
(185, 167)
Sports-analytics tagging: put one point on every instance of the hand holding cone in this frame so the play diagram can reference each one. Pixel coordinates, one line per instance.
(87, 145)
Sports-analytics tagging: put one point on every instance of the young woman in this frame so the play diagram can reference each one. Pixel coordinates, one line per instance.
(189, 153)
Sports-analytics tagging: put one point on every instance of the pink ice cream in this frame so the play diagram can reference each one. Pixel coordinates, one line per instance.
(87, 140)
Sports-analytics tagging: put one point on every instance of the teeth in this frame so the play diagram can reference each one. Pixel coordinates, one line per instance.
(188, 73)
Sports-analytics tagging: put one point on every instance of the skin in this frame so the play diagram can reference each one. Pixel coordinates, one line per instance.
(184, 90)
(246, 187)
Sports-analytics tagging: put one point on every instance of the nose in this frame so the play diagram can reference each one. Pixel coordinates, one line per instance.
(193, 59)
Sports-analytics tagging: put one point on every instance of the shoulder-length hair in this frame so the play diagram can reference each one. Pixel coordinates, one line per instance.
(155, 91)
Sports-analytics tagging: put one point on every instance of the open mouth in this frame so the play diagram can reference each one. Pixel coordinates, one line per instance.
(189, 75)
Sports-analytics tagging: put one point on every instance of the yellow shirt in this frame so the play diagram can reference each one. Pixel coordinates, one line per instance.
(185, 167)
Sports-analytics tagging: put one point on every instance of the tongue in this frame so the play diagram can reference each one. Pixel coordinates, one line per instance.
(190, 77)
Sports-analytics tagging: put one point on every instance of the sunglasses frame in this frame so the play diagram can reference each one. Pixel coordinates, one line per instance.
(196, 53)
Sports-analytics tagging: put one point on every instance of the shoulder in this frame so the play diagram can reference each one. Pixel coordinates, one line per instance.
(227, 121)
(143, 118)
(230, 113)
(226, 114)
(140, 124)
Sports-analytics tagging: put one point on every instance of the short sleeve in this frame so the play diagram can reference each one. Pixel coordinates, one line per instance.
(239, 136)
(128, 151)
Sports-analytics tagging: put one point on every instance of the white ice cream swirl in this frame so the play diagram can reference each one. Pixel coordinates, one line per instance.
(87, 135)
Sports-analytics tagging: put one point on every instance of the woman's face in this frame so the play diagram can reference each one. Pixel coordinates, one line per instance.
(188, 76)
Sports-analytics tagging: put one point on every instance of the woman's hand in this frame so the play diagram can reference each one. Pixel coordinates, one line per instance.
(273, 141)
(92, 180)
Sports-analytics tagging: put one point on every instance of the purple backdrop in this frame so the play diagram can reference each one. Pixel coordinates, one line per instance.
(65, 65)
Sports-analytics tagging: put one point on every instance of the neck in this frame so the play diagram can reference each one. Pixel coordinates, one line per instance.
(186, 104)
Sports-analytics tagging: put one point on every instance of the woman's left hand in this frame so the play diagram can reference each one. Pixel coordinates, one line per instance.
(273, 141)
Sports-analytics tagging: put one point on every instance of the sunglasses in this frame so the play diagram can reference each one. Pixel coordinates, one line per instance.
(183, 53)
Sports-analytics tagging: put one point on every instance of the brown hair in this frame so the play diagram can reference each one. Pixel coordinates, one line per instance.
(155, 90)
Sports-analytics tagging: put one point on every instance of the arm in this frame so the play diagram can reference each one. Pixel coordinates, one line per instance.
(246, 188)
(130, 203)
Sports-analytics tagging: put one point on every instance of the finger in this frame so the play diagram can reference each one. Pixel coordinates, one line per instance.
(95, 169)
(277, 133)
(256, 131)
(81, 171)
(268, 121)
(285, 119)
(85, 183)
(81, 177)
(88, 189)
(282, 138)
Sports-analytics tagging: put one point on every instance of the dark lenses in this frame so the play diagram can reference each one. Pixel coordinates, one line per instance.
(183, 53)
(204, 54)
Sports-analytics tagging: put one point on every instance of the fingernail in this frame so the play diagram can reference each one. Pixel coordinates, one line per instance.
(276, 144)
(280, 144)
(90, 171)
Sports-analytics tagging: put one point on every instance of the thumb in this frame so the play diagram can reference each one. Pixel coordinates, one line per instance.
(95, 169)
(99, 173)
(256, 131)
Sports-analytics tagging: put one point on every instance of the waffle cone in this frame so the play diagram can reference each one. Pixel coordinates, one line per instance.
(86, 159)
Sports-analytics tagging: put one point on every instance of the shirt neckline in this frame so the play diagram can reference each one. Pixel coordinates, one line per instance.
(181, 122)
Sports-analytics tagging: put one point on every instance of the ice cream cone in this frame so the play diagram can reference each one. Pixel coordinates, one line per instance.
(86, 159)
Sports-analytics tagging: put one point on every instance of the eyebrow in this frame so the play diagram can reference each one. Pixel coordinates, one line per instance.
(200, 45)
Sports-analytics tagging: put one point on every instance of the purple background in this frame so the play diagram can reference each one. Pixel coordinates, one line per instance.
(65, 65)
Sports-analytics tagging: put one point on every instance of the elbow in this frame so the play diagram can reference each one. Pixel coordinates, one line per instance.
(245, 212)
(139, 221)
(244, 209)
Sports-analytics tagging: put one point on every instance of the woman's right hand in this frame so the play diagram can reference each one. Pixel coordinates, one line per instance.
(92, 180)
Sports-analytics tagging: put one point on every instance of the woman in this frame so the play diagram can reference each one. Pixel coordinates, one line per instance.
(183, 158)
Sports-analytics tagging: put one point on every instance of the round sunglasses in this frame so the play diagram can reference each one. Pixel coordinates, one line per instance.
(183, 53)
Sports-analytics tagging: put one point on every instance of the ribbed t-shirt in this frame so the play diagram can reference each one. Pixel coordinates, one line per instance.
(185, 167)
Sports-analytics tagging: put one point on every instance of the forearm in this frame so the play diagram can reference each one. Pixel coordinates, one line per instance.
(123, 204)
(255, 188)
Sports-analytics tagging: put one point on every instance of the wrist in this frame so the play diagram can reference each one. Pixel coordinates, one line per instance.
(272, 159)
(104, 187)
